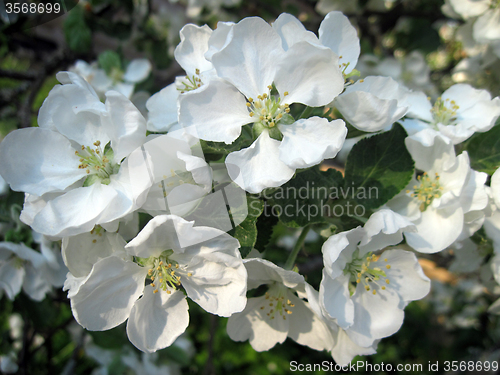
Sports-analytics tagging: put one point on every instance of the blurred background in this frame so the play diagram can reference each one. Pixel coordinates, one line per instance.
(423, 44)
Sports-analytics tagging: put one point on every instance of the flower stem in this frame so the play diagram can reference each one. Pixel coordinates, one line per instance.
(298, 245)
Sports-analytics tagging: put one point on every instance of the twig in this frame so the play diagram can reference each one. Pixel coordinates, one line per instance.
(209, 365)
(23, 76)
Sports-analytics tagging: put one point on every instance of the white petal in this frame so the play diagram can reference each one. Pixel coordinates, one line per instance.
(495, 267)
(258, 167)
(82, 251)
(420, 106)
(159, 234)
(138, 70)
(126, 89)
(214, 112)
(375, 316)
(345, 349)
(157, 319)
(217, 287)
(309, 74)
(373, 104)
(252, 324)
(125, 125)
(261, 271)
(200, 170)
(162, 109)
(336, 300)
(106, 298)
(35, 283)
(74, 112)
(465, 96)
(405, 275)
(248, 61)
(11, 278)
(291, 31)
(37, 161)
(384, 228)
(219, 38)
(495, 187)
(308, 142)
(473, 196)
(77, 79)
(74, 212)
(469, 8)
(22, 251)
(436, 229)
(430, 150)
(337, 33)
(487, 27)
(453, 180)
(306, 327)
(338, 249)
(189, 53)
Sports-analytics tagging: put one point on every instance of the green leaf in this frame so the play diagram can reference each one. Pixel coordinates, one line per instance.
(303, 200)
(220, 148)
(265, 230)
(484, 150)
(78, 34)
(109, 61)
(378, 168)
(246, 232)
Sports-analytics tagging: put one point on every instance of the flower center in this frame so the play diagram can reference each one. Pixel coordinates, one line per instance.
(18, 262)
(97, 163)
(444, 112)
(166, 274)
(190, 83)
(427, 191)
(267, 109)
(276, 301)
(363, 272)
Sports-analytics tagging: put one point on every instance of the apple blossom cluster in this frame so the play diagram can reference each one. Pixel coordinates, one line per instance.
(268, 103)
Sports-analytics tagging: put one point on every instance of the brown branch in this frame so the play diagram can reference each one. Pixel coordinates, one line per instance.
(209, 365)
(22, 76)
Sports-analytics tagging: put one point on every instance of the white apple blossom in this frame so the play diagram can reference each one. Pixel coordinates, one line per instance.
(36, 273)
(363, 292)
(410, 70)
(190, 52)
(248, 65)
(122, 81)
(280, 313)
(78, 167)
(460, 112)
(210, 271)
(437, 201)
